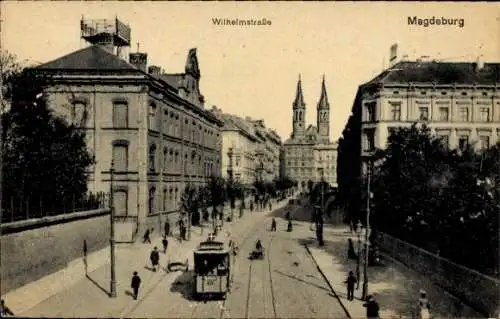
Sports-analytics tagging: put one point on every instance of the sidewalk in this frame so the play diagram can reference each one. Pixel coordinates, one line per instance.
(89, 297)
(393, 286)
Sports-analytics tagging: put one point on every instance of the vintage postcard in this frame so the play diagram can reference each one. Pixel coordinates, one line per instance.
(250, 159)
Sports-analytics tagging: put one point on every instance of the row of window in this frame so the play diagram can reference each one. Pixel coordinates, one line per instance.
(443, 115)
(192, 164)
(170, 200)
(171, 160)
(192, 130)
(463, 93)
(484, 141)
(195, 132)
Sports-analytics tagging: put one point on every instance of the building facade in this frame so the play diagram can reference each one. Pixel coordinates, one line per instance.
(460, 102)
(152, 126)
(309, 155)
(254, 149)
(268, 151)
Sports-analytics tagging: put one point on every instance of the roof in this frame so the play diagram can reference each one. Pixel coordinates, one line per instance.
(174, 80)
(311, 130)
(233, 122)
(90, 58)
(439, 73)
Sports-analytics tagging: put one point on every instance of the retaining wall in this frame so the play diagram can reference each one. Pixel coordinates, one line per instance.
(476, 289)
(33, 249)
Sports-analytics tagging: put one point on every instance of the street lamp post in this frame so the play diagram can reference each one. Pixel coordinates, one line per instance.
(367, 231)
(319, 220)
(230, 175)
(112, 290)
(358, 232)
(189, 214)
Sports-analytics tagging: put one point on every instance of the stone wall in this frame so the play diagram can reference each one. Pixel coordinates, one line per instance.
(475, 289)
(33, 249)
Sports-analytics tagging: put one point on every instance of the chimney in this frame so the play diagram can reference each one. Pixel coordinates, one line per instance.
(139, 60)
(260, 123)
(154, 70)
(479, 63)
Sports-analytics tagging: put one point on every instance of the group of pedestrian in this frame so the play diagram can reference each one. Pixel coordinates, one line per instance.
(372, 306)
(154, 256)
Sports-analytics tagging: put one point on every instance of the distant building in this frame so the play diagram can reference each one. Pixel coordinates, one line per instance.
(309, 155)
(153, 126)
(255, 149)
(268, 154)
(459, 101)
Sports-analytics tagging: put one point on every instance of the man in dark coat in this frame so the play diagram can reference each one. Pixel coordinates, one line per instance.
(165, 244)
(372, 308)
(146, 237)
(135, 284)
(155, 258)
(351, 281)
(167, 228)
(273, 224)
(4, 310)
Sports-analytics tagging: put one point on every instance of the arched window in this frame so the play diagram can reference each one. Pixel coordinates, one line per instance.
(152, 158)
(176, 198)
(165, 158)
(164, 200)
(152, 116)
(171, 198)
(152, 195)
(78, 114)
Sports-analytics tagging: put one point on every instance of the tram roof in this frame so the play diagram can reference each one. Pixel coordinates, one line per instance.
(211, 246)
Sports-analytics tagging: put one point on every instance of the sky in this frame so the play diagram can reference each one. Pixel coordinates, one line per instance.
(253, 70)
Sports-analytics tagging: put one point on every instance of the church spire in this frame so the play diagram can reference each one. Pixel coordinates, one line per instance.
(192, 64)
(323, 100)
(299, 96)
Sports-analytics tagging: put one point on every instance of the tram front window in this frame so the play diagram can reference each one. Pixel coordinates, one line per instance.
(211, 265)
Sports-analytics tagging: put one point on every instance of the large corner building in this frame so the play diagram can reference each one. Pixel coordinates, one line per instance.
(459, 101)
(153, 126)
(309, 155)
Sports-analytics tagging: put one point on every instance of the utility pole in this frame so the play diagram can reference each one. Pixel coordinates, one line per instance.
(231, 185)
(112, 290)
(365, 268)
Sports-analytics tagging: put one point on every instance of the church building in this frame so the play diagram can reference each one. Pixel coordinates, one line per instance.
(309, 154)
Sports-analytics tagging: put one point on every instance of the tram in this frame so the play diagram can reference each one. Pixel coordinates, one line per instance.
(212, 268)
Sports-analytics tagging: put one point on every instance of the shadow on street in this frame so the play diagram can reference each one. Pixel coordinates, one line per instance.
(301, 280)
(184, 284)
(394, 287)
(101, 288)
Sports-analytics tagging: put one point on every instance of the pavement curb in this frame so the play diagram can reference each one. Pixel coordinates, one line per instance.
(328, 282)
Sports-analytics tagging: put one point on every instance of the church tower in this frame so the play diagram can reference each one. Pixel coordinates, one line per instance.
(299, 112)
(323, 114)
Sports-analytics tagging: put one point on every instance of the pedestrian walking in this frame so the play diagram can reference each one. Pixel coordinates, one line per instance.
(251, 206)
(290, 226)
(372, 308)
(351, 281)
(424, 305)
(273, 224)
(165, 244)
(146, 237)
(135, 284)
(270, 206)
(5, 311)
(155, 258)
(166, 228)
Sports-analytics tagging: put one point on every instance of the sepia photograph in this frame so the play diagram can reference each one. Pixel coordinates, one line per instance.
(234, 159)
